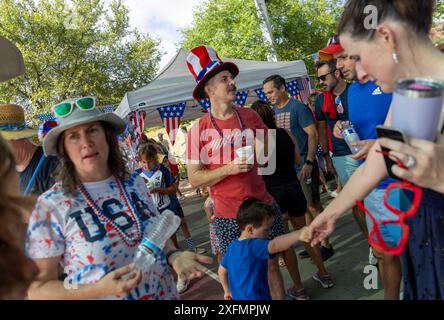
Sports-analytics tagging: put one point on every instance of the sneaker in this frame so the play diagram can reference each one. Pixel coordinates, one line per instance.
(325, 281)
(303, 254)
(297, 294)
(372, 260)
(333, 194)
(326, 253)
(182, 285)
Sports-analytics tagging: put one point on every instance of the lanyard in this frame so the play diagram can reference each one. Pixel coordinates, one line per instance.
(239, 119)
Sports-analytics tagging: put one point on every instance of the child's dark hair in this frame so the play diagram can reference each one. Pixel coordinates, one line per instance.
(252, 211)
(148, 151)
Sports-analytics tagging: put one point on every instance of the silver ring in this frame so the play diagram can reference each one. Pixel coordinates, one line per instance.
(411, 161)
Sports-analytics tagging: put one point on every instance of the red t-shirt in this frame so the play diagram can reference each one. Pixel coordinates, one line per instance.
(207, 150)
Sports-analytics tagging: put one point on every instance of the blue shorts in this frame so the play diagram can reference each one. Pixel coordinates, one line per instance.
(375, 204)
(345, 166)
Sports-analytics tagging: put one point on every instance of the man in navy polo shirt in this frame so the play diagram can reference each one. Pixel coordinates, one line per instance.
(368, 107)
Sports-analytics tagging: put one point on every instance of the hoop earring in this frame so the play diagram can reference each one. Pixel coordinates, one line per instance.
(395, 57)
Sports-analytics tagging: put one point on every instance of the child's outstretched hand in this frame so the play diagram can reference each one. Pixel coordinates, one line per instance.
(156, 190)
(304, 235)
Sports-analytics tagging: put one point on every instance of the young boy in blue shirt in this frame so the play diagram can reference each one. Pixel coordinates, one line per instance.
(244, 267)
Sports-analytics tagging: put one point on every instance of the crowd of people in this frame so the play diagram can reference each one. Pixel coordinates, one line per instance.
(74, 211)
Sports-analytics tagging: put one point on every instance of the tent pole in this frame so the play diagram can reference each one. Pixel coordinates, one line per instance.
(267, 31)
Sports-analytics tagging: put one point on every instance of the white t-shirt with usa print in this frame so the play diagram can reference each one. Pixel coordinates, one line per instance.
(70, 228)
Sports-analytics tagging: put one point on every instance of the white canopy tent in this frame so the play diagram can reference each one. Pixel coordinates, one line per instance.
(174, 84)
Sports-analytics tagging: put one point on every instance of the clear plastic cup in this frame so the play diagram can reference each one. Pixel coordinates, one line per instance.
(247, 153)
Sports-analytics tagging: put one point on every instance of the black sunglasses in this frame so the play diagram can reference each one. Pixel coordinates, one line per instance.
(322, 78)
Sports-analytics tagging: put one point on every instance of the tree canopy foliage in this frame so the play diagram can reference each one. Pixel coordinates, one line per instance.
(74, 48)
(300, 28)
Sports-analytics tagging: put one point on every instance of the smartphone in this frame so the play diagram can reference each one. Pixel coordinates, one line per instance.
(395, 134)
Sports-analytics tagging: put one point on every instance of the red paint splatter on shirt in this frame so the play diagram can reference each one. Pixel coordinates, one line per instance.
(48, 242)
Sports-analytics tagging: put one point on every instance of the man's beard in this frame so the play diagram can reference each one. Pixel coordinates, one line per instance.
(332, 86)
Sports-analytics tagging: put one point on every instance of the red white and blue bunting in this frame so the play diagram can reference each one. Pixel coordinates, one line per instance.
(261, 95)
(136, 124)
(171, 117)
(205, 104)
(241, 98)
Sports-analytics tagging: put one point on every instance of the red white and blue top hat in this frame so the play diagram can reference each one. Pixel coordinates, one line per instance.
(204, 63)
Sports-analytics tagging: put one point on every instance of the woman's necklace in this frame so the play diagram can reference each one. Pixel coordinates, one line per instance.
(130, 242)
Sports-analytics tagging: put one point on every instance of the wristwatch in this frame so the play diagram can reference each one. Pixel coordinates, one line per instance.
(309, 162)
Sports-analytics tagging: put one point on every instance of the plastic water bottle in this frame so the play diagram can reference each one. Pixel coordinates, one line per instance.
(350, 136)
(160, 231)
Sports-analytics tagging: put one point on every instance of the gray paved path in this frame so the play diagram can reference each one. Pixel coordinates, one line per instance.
(346, 266)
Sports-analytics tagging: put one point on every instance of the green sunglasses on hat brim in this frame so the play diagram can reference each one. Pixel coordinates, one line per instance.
(65, 108)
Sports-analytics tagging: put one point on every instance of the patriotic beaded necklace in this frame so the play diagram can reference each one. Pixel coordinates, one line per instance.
(239, 120)
(130, 242)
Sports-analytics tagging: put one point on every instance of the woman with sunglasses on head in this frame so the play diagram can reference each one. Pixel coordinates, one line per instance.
(95, 216)
(398, 47)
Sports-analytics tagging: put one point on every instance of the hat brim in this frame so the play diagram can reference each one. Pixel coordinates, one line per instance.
(11, 62)
(51, 138)
(199, 92)
(19, 134)
(328, 52)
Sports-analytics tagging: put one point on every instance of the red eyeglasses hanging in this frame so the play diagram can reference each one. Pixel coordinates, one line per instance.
(412, 195)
